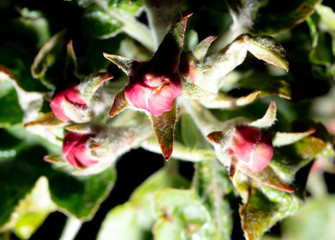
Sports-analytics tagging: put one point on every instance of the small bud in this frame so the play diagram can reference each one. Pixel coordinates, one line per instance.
(76, 149)
(69, 105)
(153, 92)
(252, 148)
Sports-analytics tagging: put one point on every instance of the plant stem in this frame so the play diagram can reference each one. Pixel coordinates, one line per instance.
(204, 120)
(180, 151)
(71, 228)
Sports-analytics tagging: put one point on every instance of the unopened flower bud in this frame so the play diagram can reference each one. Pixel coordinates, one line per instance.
(77, 151)
(153, 92)
(69, 105)
(252, 148)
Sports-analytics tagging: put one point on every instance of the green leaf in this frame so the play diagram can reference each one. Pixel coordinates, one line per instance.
(289, 159)
(33, 209)
(223, 101)
(164, 126)
(134, 219)
(327, 15)
(10, 111)
(67, 192)
(191, 90)
(264, 206)
(93, 82)
(268, 119)
(46, 62)
(180, 213)
(314, 221)
(78, 196)
(25, 167)
(22, 37)
(282, 139)
(100, 23)
(226, 60)
(269, 50)
(270, 17)
(269, 177)
(107, 18)
(30, 102)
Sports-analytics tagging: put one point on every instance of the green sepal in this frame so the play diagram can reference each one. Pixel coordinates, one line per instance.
(269, 178)
(191, 90)
(55, 158)
(269, 117)
(283, 138)
(47, 120)
(70, 68)
(166, 58)
(164, 126)
(200, 50)
(120, 104)
(92, 83)
(125, 64)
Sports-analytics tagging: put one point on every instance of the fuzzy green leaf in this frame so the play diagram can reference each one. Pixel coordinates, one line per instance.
(93, 82)
(200, 50)
(46, 62)
(179, 212)
(134, 219)
(10, 111)
(33, 209)
(269, 50)
(191, 90)
(22, 38)
(270, 17)
(67, 192)
(222, 101)
(314, 221)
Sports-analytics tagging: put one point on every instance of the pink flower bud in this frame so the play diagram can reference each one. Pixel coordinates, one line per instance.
(152, 92)
(70, 95)
(76, 150)
(252, 148)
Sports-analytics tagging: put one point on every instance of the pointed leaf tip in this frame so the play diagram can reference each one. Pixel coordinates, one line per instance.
(269, 50)
(215, 137)
(164, 126)
(120, 103)
(125, 64)
(201, 49)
